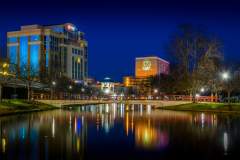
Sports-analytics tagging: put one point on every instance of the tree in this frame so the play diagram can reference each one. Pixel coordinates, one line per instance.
(196, 56)
(29, 73)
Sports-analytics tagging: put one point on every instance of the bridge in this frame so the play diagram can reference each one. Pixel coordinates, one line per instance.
(156, 103)
(14, 82)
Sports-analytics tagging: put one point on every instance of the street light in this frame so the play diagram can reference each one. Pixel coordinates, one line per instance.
(52, 89)
(225, 75)
(70, 88)
(155, 90)
(53, 83)
(202, 90)
(82, 89)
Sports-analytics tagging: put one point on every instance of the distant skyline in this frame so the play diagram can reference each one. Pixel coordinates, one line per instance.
(120, 30)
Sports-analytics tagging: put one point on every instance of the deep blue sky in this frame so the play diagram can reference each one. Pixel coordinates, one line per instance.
(120, 30)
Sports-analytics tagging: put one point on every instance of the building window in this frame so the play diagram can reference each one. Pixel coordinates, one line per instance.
(34, 60)
(76, 74)
(34, 38)
(81, 68)
(85, 69)
(13, 54)
(79, 72)
(72, 67)
(65, 59)
(24, 55)
(12, 39)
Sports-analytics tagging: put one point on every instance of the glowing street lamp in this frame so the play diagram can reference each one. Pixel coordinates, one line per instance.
(82, 89)
(70, 87)
(155, 90)
(53, 83)
(202, 90)
(225, 76)
(52, 89)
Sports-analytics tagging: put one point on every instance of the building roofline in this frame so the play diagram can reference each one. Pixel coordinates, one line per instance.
(153, 57)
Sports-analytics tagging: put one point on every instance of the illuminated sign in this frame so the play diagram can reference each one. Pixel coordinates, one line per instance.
(70, 27)
(146, 65)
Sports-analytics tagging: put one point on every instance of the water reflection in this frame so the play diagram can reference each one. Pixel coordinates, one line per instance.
(132, 130)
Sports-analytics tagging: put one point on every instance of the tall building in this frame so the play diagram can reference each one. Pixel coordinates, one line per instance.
(146, 67)
(150, 66)
(48, 52)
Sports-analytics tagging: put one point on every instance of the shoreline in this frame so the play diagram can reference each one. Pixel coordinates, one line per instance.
(15, 107)
(12, 113)
(192, 110)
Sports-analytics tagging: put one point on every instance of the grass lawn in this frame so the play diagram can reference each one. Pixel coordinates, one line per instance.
(18, 106)
(218, 107)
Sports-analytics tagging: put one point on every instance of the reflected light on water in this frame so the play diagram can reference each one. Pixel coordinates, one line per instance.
(149, 109)
(225, 142)
(127, 123)
(53, 127)
(141, 129)
(121, 110)
(141, 109)
(114, 110)
(150, 138)
(202, 119)
(3, 145)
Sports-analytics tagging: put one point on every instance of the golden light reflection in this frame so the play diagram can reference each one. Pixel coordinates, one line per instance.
(127, 123)
(3, 145)
(149, 137)
(78, 144)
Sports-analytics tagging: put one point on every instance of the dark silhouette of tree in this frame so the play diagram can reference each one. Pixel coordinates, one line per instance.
(197, 57)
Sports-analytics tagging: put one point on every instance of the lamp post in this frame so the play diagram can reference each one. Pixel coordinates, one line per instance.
(226, 77)
(70, 89)
(82, 95)
(52, 90)
(155, 91)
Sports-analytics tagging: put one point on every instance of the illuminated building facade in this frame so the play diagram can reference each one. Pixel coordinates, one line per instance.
(49, 51)
(108, 87)
(146, 67)
(150, 66)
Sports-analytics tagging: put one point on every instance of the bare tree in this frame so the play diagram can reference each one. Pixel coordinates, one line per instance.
(196, 56)
(29, 73)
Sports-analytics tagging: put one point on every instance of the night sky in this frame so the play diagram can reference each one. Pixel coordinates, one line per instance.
(120, 30)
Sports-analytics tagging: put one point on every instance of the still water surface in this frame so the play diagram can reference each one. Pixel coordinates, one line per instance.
(119, 132)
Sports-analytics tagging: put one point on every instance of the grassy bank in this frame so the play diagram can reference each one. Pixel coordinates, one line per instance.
(8, 107)
(206, 107)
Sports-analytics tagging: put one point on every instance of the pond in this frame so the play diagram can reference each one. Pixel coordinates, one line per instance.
(118, 131)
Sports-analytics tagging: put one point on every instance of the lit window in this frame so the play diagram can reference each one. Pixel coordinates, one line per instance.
(12, 39)
(34, 38)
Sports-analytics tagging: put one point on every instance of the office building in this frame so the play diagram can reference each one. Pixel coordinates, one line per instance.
(49, 52)
(146, 67)
(150, 66)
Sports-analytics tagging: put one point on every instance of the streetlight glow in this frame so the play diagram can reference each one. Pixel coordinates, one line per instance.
(202, 89)
(225, 75)
(53, 83)
(70, 87)
(155, 90)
